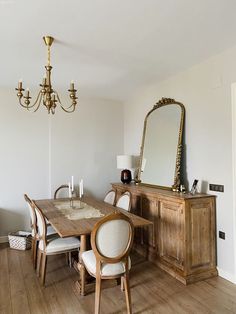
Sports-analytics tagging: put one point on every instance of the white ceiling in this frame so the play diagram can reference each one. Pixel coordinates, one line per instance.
(110, 47)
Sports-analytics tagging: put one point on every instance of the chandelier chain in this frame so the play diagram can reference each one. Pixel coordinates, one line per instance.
(49, 55)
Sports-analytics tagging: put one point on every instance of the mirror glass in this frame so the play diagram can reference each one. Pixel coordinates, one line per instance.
(161, 138)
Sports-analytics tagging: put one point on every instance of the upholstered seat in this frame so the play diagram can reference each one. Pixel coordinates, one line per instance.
(60, 244)
(107, 269)
(110, 197)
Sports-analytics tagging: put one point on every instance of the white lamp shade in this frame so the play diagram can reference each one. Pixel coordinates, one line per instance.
(124, 162)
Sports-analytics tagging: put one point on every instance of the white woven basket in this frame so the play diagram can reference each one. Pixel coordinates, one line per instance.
(20, 240)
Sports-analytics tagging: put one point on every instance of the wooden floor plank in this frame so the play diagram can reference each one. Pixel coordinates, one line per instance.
(19, 297)
(33, 288)
(215, 299)
(152, 290)
(63, 278)
(5, 293)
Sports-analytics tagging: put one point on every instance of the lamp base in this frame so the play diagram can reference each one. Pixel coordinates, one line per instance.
(126, 176)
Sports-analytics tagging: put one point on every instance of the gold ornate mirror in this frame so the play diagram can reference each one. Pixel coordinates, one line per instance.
(161, 150)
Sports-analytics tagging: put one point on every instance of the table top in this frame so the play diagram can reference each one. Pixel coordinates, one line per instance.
(67, 228)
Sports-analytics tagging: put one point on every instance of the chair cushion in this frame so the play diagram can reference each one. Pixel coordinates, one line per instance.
(89, 260)
(61, 245)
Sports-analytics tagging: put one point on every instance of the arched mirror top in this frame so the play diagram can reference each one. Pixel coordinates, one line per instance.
(161, 149)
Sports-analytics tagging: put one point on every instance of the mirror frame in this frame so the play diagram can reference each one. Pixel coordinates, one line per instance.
(176, 184)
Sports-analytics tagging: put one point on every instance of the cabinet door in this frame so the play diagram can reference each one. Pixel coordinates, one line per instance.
(201, 234)
(171, 236)
(149, 210)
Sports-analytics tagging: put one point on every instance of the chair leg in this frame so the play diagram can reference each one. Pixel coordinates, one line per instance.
(39, 254)
(97, 295)
(122, 287)
(70, 259)
(32, 248)
(44, 265)
(127, 294)
(35, 250)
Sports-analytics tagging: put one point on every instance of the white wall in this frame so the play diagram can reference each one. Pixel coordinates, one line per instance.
(40, 152)
(205, 90)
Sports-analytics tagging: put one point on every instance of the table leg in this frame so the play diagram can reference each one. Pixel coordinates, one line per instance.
(82, 269)
(80, 285)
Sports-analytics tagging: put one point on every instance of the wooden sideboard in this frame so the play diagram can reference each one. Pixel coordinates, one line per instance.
(183, 240)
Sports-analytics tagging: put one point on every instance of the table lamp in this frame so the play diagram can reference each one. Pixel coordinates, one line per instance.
(124, 162)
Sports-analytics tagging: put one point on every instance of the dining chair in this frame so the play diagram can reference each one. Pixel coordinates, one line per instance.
(111, 241)
(51, 246)
(34, 231)
(124, 201)
(110, 197)
(63, 186)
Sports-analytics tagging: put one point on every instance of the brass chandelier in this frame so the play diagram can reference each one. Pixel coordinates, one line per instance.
(47, 95)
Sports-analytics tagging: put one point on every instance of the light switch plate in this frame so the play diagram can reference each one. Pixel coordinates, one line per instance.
(216, 187)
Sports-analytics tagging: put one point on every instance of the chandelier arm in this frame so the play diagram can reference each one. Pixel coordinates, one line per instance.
(27, 106)
(39, 102)
(22, 105)
(37, 98)
(68, 111)
(58, 98)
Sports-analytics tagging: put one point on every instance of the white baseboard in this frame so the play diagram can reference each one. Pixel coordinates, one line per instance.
(228, 276)
(4, 239)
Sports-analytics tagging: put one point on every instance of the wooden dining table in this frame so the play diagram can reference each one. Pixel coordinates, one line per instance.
(82, 228)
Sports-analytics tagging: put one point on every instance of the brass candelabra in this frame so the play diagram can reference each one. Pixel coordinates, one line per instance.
(47, 95)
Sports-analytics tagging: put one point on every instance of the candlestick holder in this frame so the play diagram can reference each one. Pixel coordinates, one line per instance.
(80, 206)
(73, 195)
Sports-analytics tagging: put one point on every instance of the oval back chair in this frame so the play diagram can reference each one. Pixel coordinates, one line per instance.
(111, 241)
(124, 201)
(33, 225)
(110, 197)
(50, 246)
(63, 186)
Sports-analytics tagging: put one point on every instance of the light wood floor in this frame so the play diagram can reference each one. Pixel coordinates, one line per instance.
(152, 290)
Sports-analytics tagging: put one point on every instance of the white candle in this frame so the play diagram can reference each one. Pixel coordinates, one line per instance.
(80, 189)
(20, 84)
(82, 185)
(69, 190)
(72, 183)
(72, 85)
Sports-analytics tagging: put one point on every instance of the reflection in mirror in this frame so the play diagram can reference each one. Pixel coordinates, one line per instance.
(161, 146)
